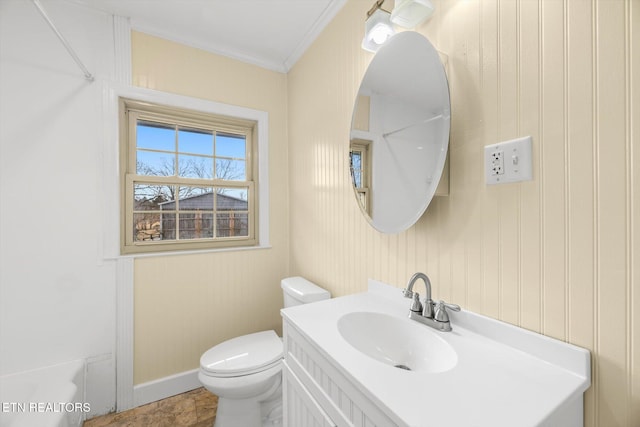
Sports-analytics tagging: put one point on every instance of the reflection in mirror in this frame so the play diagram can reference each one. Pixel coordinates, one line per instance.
(400, 132)
(361, 170)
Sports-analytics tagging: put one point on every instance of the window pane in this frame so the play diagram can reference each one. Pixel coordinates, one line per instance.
(356, 160)
(195, 167)
(228, 145)
(357, 178)
(154, 164)
(356, 168)
(168, 226)
(152, 196)
(155, 136)
(196, 198)
(232, 199)
(232, 224)
(363, 200)
(196, 225)
(195, 141)
(232, 170)
(146, 226)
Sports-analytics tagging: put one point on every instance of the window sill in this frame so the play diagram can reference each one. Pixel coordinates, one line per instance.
(189, 252)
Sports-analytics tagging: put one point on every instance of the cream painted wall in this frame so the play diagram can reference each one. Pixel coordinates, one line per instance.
(557, 255)
(186, 304)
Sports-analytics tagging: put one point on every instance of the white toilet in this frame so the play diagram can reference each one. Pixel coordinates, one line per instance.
(246, 372)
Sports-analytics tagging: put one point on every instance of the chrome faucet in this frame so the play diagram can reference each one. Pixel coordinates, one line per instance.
(430, 313)
(416, 306)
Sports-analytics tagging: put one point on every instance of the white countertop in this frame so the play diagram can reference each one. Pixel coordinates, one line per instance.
(504, 376)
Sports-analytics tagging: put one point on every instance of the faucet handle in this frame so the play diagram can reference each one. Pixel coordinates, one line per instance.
(441, 314)
(416, 305)
(454, 307)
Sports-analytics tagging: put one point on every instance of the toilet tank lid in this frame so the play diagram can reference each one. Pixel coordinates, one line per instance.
(304, 290)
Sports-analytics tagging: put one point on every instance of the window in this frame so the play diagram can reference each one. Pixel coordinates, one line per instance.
(360, 166)
(189, 179)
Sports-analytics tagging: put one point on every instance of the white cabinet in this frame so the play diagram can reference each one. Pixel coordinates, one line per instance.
(300, 408)
(316, 393)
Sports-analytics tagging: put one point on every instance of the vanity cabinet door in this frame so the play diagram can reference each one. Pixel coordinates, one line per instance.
(300, 409)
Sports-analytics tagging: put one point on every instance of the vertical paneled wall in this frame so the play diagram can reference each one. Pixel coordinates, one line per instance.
(185, 304)
(558, 254)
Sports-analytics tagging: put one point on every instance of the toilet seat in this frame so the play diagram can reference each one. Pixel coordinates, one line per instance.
(244, 355)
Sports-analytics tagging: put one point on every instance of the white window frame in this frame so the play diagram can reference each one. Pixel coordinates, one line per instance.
(133, 111)
(111, 160)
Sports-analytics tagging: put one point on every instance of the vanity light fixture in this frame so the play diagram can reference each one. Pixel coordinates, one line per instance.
(411, 13)
(406, 14)
(378, 27)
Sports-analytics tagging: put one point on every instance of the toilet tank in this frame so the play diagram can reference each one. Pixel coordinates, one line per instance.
(298, 290)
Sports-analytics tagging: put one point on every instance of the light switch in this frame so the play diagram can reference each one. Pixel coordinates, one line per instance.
(508, 161)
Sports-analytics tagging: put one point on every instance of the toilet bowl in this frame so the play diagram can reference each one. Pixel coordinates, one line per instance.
(246, 372)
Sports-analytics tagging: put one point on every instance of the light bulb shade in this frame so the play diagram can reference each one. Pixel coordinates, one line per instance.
(378, 30)
(411, 13)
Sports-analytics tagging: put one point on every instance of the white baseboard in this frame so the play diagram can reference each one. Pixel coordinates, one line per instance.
(165, 387)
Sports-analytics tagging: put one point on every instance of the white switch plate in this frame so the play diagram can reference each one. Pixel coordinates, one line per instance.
(508, 161)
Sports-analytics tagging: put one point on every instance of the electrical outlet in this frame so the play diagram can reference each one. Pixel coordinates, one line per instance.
(497, 163)
(508, 161)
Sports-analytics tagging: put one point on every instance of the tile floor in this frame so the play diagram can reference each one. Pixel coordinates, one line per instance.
(196, 408)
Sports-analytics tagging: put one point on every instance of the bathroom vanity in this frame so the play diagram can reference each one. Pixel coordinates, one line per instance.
(359, 360)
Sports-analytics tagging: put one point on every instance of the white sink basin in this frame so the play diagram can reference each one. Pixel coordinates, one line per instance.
(397, 342)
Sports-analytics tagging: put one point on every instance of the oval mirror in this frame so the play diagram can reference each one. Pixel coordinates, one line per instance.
(400, 132)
